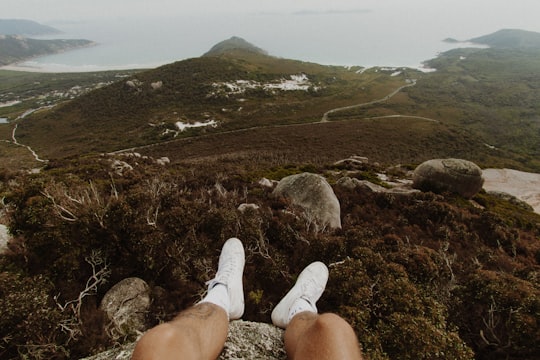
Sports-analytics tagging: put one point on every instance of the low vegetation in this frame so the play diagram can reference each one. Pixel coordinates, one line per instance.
(419, 276)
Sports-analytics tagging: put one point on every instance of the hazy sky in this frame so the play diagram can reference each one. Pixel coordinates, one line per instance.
(364, 32)
(493, 13)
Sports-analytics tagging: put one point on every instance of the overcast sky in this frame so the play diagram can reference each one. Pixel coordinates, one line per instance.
(345, 32)
(501, 13)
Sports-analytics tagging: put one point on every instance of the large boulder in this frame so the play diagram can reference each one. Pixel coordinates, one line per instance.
(315, 196)
(126, 305)
(246, 340)
(455, 175)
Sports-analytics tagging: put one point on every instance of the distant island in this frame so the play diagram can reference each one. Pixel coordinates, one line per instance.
(15, 46)
(505, 39)
(25, 27)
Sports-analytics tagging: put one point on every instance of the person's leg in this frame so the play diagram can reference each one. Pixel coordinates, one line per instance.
(196, 333)
(200, 332)
(309, 335)
(326, 336)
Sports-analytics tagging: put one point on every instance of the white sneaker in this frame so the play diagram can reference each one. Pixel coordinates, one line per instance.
(309, 286)
(230, 271)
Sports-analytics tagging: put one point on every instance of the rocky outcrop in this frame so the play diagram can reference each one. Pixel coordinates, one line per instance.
(524, 186)
(126, 305)
(315, 196)
(454, 175)
(246, 340)
(353, 183)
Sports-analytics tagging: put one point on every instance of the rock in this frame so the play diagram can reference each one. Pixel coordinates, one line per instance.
(156, 85)
(455, 175)
(244, 207)
(119, 167)
(250, 340)
(163, 161)
(4, 238)
(317, 198)
(266, 183)
(246, 340)
(354, 160)
(352, 183)
(126, 305)
(524, 186)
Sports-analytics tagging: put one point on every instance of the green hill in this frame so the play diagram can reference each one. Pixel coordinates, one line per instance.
(242, 91)
(510, 39)
(234, 44)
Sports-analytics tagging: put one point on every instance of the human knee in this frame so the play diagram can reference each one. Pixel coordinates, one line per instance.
(331, 323)
(331, 320)
(161, 335)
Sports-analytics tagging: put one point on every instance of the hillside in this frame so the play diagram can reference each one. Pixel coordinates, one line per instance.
(237, 89)
(15, 48)
(25, 27)
(251, 90)
(145, 175)
(510, 39)
(234, 44)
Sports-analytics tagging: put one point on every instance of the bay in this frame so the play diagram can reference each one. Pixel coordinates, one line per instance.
(331, 39)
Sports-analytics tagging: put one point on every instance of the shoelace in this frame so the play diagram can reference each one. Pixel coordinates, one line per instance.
(311, 290)
(223, 275)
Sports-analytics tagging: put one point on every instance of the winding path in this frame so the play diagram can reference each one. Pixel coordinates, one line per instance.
(34, 154)
(14, 138)
(350, 107)
(323, 120)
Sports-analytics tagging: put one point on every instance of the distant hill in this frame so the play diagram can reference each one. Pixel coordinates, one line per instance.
(25, 27)
(234, 44)
(510, 39)
(15, 48)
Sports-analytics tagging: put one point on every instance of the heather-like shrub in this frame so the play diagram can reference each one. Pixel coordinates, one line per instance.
(393, 318)
(417, 276)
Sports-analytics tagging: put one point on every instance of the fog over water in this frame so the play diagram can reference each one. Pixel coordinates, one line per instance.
(367, 33)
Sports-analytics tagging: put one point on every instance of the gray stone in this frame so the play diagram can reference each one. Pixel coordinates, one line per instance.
(245, 207)
(4, 238)
(353, 183)
(126, 305)
(315, 196)
(454, 175)
(246, 340)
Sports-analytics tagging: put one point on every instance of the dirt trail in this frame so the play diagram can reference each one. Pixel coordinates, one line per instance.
(350, 107)
(14, 138)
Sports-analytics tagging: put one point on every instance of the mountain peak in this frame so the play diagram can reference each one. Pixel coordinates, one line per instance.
(235, 43)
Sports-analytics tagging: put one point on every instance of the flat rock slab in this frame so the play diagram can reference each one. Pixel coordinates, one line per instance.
(246, 340)
(523, 185)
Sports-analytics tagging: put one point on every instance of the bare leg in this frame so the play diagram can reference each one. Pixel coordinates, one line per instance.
(196, 333)
(200, 331)
(326, 336)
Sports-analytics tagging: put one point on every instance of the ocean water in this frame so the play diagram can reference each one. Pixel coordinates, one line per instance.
(331, 39)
